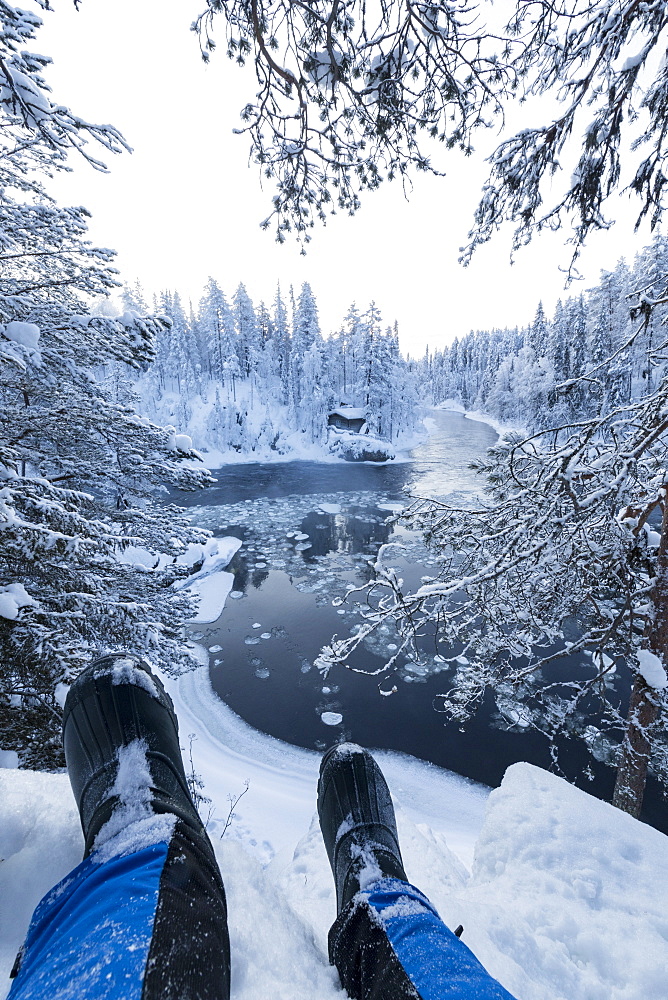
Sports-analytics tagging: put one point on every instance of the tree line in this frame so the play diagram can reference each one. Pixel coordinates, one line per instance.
(245, 378)
(592, 355)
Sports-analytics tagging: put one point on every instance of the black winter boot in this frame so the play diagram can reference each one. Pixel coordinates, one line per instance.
(113, 703)
(357, 821)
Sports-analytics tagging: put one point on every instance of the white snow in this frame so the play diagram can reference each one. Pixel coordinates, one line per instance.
(25, 334)
(125, 671)
(370, 871)
(349, 412)
(565, 899)
(354, 446)
(652, 669)
(9, 758)
(13, 597)
(330, 508)
(215, 553)
(403, 908)
(633, 61)
(211, 584)
(211, 592)
(136, 555)
(133, 825)
(451, 404)
(183, 442)
(60, 693)
(653, 537)
(24, 97)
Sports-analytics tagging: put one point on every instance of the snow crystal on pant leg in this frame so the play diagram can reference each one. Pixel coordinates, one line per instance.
(404, 907)
(133, 824)
(136, 837)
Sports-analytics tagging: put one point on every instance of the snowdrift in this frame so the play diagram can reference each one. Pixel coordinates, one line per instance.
(565, 900)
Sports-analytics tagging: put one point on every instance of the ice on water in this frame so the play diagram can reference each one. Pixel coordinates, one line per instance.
(275, 541)
(332, 718)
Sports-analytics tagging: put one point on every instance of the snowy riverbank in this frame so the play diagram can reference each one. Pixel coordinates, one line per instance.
(264, 431)
(483, 418)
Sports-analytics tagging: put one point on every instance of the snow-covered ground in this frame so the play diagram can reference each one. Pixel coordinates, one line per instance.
(268, 434)
(561, 896)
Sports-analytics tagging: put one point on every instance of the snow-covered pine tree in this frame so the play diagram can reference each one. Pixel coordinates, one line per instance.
(83, 550)
(218, 333)
(305, 335)
(248, 336)
(282, 339)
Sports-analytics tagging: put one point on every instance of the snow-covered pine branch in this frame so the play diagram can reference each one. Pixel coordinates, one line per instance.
(563, 557)
(78, 465)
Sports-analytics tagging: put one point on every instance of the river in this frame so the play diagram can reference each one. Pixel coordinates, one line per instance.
(309, 530)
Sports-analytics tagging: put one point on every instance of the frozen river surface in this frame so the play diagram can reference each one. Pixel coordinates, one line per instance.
(309, 530)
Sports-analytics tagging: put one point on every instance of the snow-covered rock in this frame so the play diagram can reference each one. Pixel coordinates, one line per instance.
(360, 447)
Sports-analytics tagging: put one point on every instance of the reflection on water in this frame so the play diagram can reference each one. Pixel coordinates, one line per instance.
(358, 530)
(310, 532)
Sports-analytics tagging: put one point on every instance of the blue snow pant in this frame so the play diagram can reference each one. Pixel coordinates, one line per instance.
(389, 943)
(152, 925)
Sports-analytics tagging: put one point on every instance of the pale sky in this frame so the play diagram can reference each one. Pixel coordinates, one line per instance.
(187, 203)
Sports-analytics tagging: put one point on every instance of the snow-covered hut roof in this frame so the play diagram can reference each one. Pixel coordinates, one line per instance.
(350, 412)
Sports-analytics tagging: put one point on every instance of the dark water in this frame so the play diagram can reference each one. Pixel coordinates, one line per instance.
(280, 613)
(439, 467)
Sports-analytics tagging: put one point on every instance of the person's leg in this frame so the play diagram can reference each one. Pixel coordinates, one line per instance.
(388, 942)
(144, 915)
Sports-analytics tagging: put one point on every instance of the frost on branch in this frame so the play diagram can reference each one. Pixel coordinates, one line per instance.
(350, 95)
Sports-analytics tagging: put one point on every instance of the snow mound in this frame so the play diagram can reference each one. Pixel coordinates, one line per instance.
(652, 670)
(574, 892)
(360, 447)
(211, 585)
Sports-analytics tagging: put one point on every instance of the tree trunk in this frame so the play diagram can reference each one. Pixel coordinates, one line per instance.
(644, 703)
(636, 749)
